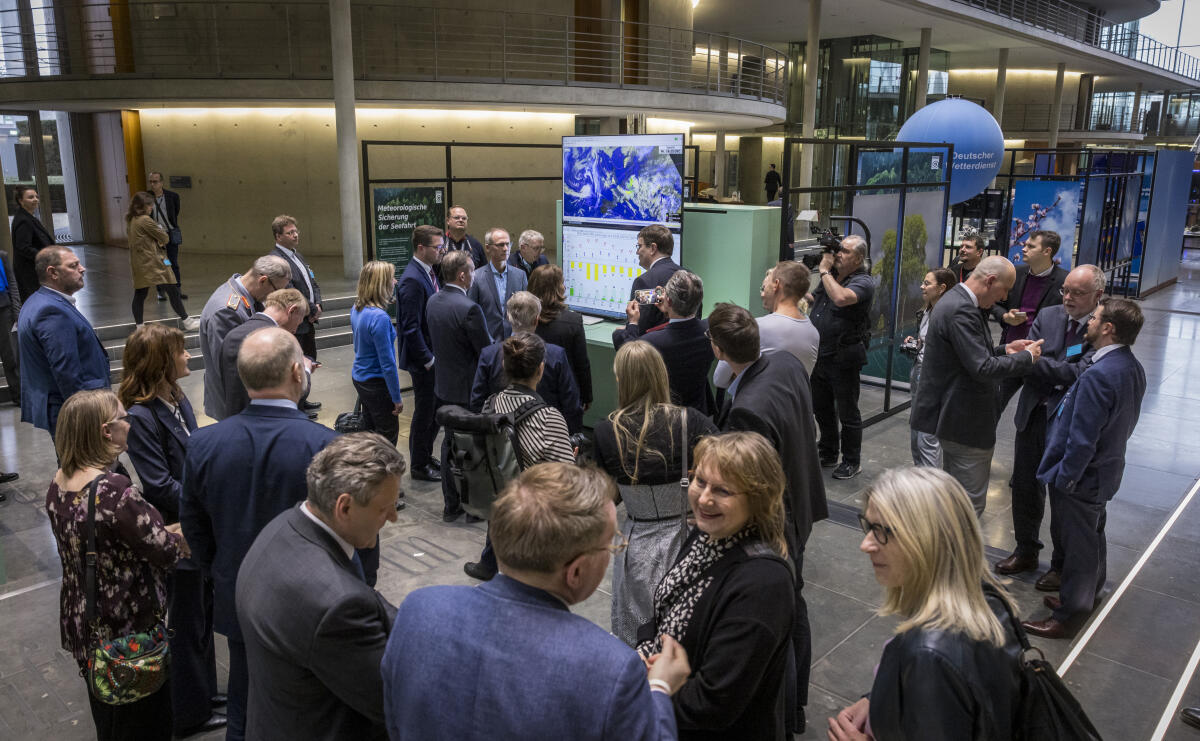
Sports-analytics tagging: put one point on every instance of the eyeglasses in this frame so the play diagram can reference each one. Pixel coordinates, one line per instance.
(879, 531)
(123, 418)
(708, 335)
(502, 244)
(1072, 292)
(619, 543)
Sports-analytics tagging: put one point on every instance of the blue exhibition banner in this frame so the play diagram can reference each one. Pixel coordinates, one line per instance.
(1045, 205)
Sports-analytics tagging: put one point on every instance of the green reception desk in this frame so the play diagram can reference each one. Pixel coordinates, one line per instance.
(730, 248)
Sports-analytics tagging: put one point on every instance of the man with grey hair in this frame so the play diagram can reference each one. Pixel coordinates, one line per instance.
(232, 303)
(239, 474)
(841, 308)
(554, 531)
(681, 341)
(1063, 329)
(314, 631)
(530, 252)
(956, 398)
(495, 282)
(557, 387)
(284, 308)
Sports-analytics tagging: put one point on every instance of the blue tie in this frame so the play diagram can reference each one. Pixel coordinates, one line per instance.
(358, 567)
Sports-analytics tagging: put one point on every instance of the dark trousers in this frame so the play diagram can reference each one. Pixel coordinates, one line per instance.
(148, 719)
(487, 559)
(1080, 518)
(424, 425)
(1028, 494)
(306, 335)
(835, 400)
(238, 692)
(139, 302)
(801, 633)
(377, 406)
(451, 502)
(9, 354)
(193, 660)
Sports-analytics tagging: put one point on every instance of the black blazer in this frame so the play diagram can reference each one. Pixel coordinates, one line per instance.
(299, 266)
(566, 331)
(514, 259)
(658, 275)
(1055, 371)
(557, 387)
(956, 397)
(773, 399)
(663, 437)
(29, 237)
(459, 333)
(689, 358)
(171, 199)
(1050, 293)
(157, 447)
(236, 399)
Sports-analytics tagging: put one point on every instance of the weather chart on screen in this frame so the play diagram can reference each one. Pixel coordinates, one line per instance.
(612, 187)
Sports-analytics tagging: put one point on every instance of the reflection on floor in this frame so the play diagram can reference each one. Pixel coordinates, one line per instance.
(1124, 676)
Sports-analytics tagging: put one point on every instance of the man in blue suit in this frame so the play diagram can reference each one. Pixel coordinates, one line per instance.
(496, 282)
(418, 282)
(1085, 458)
(60, 352)
(507, 659)
(242, 472)
(459, 334)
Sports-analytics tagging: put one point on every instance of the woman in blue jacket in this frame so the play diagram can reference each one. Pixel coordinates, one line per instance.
(375, 373)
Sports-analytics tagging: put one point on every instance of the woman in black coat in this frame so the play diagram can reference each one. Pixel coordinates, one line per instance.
(560, 326)
(952, 670)
(29, 237)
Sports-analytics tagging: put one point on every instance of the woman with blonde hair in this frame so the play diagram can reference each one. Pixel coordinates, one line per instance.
(375, 374)
(148, 260)
(729, 597)
(560, 326)
(641, 446)
(952, 670)
(136, 550)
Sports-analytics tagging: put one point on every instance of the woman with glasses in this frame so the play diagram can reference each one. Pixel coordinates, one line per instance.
(641, 446)
(925, 448)
(728, 598)
(952, 669)
(560, 326)
(161, 421)
(136, 552)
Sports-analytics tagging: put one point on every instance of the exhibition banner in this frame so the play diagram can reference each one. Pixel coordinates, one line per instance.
(399, 210)
(1045, 205)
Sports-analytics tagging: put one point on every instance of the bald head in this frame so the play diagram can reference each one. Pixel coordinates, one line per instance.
(991, 280)
(271, 365)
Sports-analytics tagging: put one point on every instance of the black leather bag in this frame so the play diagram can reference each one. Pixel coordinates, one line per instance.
(351, 421)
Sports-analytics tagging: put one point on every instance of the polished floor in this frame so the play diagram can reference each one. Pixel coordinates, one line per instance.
(1130, 668)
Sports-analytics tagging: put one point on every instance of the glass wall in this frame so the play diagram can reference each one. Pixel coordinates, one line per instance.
(19, 161)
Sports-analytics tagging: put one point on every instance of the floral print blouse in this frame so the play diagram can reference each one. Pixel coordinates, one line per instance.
(134, 552)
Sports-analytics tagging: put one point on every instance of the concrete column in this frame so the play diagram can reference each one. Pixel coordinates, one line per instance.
(1056, 108)
(1135, 115)
(350, 197)
(719, 164)
(923, 69)
(812, 57)
(1001, 87)
(751, 170)
(37, 151)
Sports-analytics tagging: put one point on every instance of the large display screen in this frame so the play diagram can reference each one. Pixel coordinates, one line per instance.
(612, 187)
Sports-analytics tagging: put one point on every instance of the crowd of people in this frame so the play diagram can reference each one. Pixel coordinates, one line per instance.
(264, 527)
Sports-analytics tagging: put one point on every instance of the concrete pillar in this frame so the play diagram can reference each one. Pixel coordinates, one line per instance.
(812, 57)
(1001, 87)
(719, 164)
(1083, 102)
(751, 170)
(1056, 107)
(1135, 115)
(923, 69)
(37, 151)
(350, 197)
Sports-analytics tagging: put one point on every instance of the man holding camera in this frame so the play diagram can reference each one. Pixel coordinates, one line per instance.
(840, 311)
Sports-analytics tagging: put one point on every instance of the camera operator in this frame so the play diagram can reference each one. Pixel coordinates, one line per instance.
(841, 305)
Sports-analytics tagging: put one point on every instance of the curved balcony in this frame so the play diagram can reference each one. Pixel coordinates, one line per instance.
(199, 41)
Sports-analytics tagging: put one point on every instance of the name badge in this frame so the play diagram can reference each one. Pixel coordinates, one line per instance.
(1074, 351)
(311, 274)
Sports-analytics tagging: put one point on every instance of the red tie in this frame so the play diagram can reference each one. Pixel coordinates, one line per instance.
(433, 278)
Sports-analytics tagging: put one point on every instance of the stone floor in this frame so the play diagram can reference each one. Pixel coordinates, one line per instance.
(1125, 671)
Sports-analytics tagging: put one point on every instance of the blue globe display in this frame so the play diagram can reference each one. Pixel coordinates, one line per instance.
(977, 139)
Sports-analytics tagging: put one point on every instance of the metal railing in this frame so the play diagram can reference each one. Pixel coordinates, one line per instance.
(1036, 117)
(291, 41)
(1083, 26)
(1117, 119)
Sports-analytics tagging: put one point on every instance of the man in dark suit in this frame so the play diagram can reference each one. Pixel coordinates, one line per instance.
(970, 252)
(681, 341)
(60, 352)
(459, 334)
(1063, 328)
(496, 282)
(418, 282)
(242, 472)
(458, 239)
(1085, 459)
(508, 658)
(530, 252)
(769, 395)
(286, 309)
(315, 632)
(287, 246)
(557, 387)
(29, 237)
(166, 213)
(654, 248)
(956, 400)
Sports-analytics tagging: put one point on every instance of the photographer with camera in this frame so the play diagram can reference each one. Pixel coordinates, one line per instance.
(841, 305)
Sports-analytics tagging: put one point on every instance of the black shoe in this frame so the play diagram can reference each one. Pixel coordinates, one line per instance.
(219, 700)
(472, 519)
(308, 406)
(434, 463)
(452, 516)
(476, 570)
(829, 462)
(7, 477)
(214, 722)
(847, 470)
(425, 473)
(311, 414)
(1190, 716)
(799, 721)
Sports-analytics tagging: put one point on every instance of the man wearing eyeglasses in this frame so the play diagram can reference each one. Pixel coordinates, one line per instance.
(496, 282)
(508, 658)
(458, 239)
(234, 301)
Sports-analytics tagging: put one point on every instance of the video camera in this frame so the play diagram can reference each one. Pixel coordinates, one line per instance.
(823, 240)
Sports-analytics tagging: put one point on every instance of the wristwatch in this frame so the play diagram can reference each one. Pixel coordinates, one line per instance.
(825, 272)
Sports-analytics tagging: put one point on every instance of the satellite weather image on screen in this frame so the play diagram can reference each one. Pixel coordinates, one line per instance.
(627, 182)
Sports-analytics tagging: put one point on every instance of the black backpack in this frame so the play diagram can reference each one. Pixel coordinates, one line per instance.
(484, 451)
